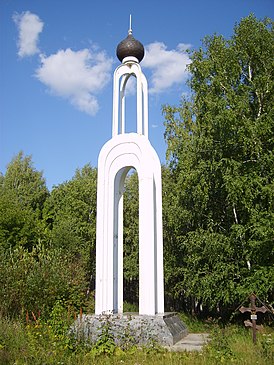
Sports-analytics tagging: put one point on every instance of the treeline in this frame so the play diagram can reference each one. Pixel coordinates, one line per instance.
(219, 215)
(47, 239)
(218, 198)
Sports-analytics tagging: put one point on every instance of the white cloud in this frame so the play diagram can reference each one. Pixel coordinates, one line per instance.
(167, 67)
(29, 26)
(183, 47)
(77, 76)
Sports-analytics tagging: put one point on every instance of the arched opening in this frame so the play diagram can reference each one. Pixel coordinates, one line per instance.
(116, 159)
(126, 240)
(127, 79)
(130, 109)
(131, 242)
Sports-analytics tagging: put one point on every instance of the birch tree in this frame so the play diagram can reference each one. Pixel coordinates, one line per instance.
(221, 157)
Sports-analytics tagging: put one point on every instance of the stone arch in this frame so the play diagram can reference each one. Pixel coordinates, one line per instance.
(117, 156)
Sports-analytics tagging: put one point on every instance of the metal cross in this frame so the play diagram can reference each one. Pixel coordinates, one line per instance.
(253, 310)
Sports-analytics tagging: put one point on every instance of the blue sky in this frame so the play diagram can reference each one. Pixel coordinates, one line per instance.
(57, 59)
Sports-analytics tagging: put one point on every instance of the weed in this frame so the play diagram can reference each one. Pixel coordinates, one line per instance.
(105, 344)
(130, 307)
(267, 346)
(59, 323)
(44, 342)
(219, 349)
(195, 325)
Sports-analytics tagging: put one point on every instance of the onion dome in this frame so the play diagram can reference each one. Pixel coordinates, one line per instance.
(130, 47)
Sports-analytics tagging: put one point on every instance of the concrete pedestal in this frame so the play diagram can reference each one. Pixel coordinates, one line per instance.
(143, 330)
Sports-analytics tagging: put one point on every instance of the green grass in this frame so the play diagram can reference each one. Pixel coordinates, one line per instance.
(48, 343)
(194, 325)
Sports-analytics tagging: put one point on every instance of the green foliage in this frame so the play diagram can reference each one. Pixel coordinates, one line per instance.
(105, 344)
(130, 307)
(219, 192)
(39, 341)
(33, 281)
(219, 347)
(72, 206)
(70, 215)
(22, 195)
(26, 182)
(46, 240)
(131, 227)
(43, 343)
(59, 323)
(229, 344)
(18, 226)
(131, 239)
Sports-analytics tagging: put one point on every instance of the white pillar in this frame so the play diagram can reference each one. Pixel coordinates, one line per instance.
(147, 284)
(118, 155)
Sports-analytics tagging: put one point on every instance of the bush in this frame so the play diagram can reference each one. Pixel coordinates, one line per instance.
(33, 281)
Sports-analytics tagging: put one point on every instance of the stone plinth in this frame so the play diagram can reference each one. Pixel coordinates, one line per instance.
(143, 330)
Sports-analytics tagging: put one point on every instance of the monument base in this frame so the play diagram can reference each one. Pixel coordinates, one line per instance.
(143, 330)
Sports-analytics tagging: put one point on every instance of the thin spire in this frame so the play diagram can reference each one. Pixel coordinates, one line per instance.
(130, 28)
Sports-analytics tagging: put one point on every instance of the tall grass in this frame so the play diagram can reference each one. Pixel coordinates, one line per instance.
(48, 343)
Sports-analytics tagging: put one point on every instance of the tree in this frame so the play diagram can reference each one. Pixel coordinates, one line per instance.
(47, 240)
(70, 216)
(26, 182)
(71, 207)
(220, 153)
(131, 238)
(34, 280)
(23, 193)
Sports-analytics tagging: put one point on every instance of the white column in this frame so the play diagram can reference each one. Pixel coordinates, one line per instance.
(116, 157)
(159, 241)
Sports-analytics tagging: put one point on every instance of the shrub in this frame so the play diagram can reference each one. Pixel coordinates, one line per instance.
(33, 281)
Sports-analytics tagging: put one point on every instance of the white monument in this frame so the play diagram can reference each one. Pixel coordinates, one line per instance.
(121, 153)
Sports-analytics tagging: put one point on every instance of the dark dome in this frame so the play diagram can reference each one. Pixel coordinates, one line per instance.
(130, 47)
